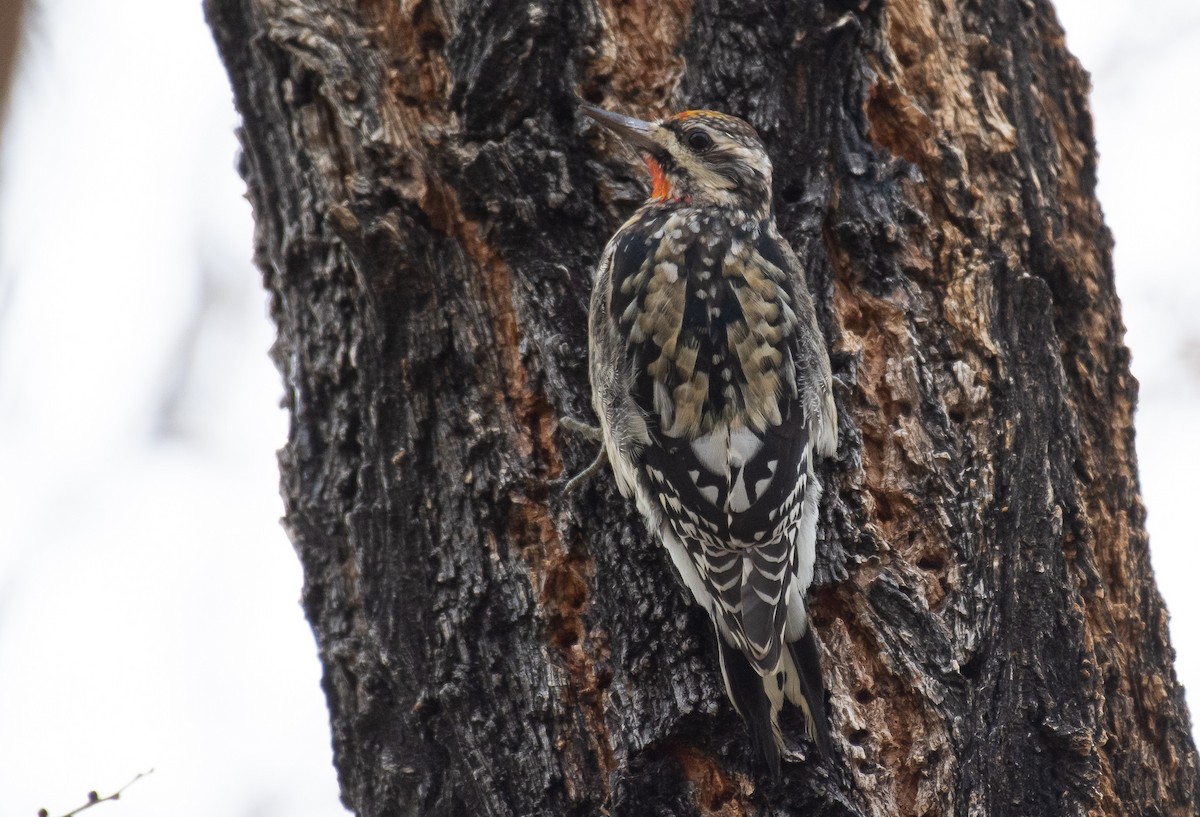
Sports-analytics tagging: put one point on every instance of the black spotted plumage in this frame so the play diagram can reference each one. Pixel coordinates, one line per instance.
(670, 466)
(712, 383)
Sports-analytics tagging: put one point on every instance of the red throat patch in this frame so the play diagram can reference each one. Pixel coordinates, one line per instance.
(661, 189)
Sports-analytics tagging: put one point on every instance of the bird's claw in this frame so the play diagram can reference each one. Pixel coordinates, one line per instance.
(575, 482)
(593, 434)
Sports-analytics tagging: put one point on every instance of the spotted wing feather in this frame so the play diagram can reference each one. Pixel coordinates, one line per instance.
(711, 339)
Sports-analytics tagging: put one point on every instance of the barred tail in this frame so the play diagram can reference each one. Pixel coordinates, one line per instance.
(748, 694)
(759, 698)
(809, 693)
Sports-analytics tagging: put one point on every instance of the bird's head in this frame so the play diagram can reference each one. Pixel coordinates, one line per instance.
(699, 157)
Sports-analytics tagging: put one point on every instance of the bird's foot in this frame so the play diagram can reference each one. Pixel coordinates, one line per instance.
(575, 482)
(594, 434)
(581, 428)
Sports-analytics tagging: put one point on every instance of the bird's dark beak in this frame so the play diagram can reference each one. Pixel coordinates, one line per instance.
(636, 132)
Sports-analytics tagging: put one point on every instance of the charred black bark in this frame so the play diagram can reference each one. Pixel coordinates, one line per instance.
(429, 209)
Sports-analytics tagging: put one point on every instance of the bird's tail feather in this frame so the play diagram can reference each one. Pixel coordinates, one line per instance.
(809, 692)
(747, 692)
(759, 698)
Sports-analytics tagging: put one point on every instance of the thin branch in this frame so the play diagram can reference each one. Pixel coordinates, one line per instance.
(94, 798)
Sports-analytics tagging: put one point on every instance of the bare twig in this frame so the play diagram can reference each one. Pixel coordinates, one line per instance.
(93, 798)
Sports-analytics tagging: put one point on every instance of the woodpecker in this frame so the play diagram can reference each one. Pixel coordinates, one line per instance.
(712, 383)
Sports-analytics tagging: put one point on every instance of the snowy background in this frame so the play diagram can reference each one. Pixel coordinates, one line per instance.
(148, 597)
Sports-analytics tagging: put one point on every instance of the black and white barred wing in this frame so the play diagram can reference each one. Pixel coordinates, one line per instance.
(747, 562)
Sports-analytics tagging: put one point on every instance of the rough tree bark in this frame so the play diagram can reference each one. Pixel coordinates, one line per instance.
(429, 210)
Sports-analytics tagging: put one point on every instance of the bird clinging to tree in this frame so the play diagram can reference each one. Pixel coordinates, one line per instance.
(712, 383)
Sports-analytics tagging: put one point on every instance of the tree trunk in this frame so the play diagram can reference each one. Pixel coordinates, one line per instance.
(430, 208)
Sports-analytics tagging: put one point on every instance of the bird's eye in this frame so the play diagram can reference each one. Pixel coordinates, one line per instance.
(699, 141)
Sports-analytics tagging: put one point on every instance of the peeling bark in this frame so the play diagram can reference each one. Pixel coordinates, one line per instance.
(429, 209)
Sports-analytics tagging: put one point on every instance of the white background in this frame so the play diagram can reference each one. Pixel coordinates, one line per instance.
(148, 598)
